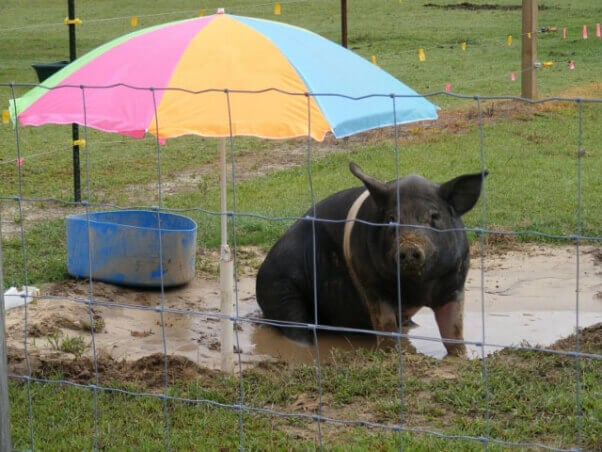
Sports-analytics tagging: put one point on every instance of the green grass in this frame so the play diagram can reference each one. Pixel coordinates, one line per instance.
(533, 187)
(42, 256)
(514, 405)
(392, 31)
(76, 345)
(531, 158)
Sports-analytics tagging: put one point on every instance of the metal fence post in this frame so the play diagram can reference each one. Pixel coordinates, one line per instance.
(74, 127)
(4, 407)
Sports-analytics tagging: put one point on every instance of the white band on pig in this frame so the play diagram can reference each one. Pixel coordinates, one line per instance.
(351, 216)
(382, 315)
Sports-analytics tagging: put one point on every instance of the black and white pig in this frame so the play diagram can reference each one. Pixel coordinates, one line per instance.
(421, 238)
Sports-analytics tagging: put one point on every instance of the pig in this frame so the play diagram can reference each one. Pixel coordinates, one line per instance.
(384, 245)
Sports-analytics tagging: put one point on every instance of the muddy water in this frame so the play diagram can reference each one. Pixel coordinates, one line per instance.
(502, 329)
(521, 298)
(268, 342)
(530, 296)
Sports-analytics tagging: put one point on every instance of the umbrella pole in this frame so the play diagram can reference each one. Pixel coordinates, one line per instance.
(226, 271)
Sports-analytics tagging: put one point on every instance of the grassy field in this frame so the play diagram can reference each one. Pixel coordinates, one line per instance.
(544, 161)
(534, 154)
(513, 404)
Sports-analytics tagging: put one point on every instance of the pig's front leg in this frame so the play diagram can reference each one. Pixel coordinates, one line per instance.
(383, 318)
(450, 320)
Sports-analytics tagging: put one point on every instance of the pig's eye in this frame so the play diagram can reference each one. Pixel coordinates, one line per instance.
(391, 219)
(435, 217)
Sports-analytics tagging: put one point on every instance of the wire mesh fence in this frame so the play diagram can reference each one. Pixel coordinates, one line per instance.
(179, 328)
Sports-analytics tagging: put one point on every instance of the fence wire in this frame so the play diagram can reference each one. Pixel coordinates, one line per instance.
(244, 409)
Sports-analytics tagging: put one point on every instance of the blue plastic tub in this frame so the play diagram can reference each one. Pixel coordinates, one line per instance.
(122, 247)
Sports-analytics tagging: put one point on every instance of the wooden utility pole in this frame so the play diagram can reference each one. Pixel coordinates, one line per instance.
(529, 50)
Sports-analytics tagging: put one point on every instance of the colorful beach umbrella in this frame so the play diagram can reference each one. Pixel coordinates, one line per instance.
(205, 74)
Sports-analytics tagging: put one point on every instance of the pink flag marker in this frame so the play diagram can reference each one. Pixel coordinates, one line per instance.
(448, 87)
(598, 33)
(571, 65)
(585, 32)
(564, 33)
(512, 76)
(20, 161)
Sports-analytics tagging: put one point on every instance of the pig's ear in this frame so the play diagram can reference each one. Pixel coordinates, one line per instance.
(378, 189)
(463, 192)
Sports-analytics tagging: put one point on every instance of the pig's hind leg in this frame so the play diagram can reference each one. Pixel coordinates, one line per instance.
(283, 303)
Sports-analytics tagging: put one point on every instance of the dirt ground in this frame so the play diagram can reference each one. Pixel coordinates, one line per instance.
(529, 296)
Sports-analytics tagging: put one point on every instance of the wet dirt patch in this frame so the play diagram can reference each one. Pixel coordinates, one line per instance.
(469, 6)
(590, 340)
(523, 296)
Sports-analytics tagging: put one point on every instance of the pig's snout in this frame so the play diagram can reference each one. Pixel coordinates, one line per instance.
(411, 255)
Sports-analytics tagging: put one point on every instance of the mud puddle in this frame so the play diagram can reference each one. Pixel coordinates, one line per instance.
(529, 296)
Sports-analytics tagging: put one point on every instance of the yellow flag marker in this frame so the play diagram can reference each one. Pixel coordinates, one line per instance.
(277, 9)
(75, 21)
(373, 59)
(509, 40)
(548, 64)
(80, 142)
(202, 12)
(421, 55)
(5, 116)
(134, 21)
(529, 35)
(463, 45)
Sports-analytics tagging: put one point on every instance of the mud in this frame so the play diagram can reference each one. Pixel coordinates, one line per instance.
(530, 296)
(469, 6)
